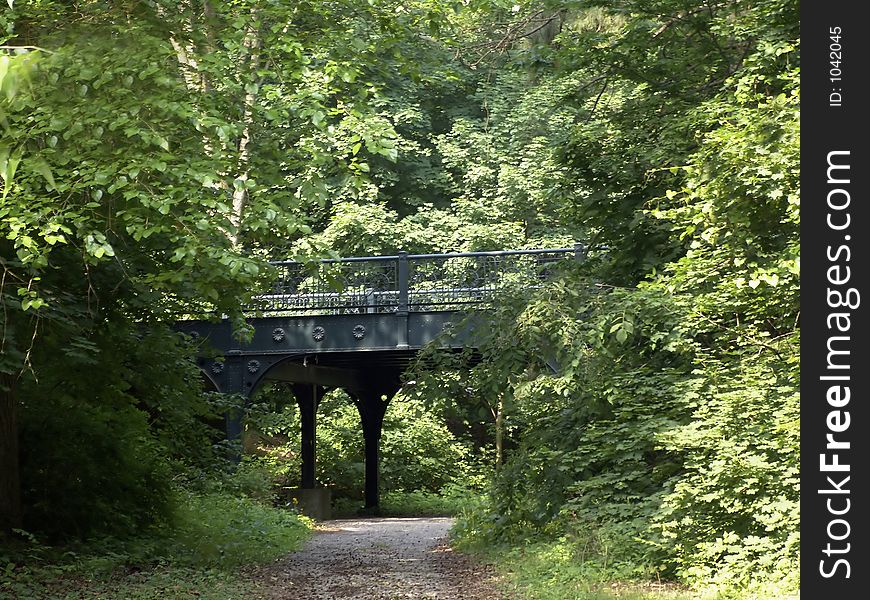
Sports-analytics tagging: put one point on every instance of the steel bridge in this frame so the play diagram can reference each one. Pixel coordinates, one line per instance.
(356, 324)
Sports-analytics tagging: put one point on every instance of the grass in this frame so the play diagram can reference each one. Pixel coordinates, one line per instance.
(448, 502)
(539, 571)
(225, 532)
(557, 568)
(201, 556)
(549, 571)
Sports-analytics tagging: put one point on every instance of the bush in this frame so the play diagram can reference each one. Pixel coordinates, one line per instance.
(99, 453)
(91, 470)
(197, 553)
(220, 530)
(453, 499)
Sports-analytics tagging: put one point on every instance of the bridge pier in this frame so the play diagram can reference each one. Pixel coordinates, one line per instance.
(372, 403)
(308, 398)
(234, 383)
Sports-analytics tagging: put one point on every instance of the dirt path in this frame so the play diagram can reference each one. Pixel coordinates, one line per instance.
(379, 559)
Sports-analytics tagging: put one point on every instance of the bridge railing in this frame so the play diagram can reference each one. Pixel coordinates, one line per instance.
(406, 282)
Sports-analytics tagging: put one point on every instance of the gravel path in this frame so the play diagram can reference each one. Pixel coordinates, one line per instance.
(379, 559)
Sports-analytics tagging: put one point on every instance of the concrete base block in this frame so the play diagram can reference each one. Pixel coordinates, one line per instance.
(314, 503)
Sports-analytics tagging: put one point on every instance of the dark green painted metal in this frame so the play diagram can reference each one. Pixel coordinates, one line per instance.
(308, 397)
(360, 334)
(404, 282)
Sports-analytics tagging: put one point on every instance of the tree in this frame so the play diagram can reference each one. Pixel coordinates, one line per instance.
(151, 157)
(681, 160)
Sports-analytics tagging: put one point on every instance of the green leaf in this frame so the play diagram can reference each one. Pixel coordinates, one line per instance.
(8, 166)
(40, 166)
(4, 65)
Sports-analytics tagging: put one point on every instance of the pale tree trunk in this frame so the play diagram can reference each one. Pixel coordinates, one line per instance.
(240, 193)
(197, 83)
(499, 432)
(10, 484)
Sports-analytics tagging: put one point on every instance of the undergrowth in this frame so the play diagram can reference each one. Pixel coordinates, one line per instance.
(451, 500)
(196, 556)
(550, 570)
(545, 567)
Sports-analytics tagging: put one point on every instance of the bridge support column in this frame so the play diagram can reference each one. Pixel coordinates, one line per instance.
(372, 405)
(308, 396)
(234, 384)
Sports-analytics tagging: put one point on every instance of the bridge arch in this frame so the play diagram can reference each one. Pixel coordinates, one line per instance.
(208, 382)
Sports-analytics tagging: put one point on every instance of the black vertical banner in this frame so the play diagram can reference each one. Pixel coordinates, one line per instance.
(835, 302)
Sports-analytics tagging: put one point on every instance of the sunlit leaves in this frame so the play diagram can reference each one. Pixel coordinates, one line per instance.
(670, 422)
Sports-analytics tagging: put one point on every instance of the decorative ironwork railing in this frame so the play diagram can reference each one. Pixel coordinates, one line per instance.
(406, 282)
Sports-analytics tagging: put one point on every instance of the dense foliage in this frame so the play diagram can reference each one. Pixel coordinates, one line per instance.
(641, 411)
(668, 441)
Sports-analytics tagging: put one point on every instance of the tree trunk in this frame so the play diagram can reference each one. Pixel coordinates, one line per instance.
(499, 432)
(240, 193)
(10, 483)
(188, 56)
